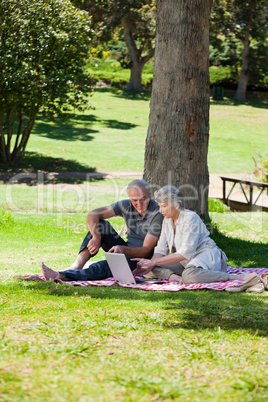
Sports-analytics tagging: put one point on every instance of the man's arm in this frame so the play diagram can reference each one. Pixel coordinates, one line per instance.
(144, 251)
(93, 220)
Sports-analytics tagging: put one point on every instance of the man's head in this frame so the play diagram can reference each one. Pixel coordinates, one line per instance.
(139, 193)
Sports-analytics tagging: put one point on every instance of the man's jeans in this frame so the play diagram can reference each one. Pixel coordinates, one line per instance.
(100, 269)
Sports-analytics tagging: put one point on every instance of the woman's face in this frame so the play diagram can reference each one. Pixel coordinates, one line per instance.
(168, 210)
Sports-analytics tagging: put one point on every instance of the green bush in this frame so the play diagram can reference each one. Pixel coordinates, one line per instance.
(261, 168)
(110, 71)
(216, 205)
(220, 75)
(6, 217)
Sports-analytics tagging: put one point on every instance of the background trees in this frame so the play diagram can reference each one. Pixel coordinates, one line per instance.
(134, 20)
(239, 29)
(43, 47)
(177, 139)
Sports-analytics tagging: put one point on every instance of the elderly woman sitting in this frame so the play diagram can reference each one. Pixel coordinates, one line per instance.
(185, 253)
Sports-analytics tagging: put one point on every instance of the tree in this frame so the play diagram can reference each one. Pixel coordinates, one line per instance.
(136, 18)
(248, 15)
(43, 48)
(177, 138)
(244, 22)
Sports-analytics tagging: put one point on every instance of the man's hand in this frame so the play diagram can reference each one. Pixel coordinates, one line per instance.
(117, 249)
(94, 245)
(144, 266)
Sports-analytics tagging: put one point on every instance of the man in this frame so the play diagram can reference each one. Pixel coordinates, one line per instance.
(143, 221)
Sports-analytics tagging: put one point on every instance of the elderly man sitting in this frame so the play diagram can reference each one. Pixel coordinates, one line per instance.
(143, 221)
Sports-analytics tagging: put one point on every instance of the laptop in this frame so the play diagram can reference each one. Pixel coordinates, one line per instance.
(121, 270)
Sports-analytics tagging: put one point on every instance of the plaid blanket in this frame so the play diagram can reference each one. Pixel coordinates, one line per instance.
(167, 286)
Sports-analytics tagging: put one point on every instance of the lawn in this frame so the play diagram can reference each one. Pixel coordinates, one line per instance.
(111, 136)
(65, 343)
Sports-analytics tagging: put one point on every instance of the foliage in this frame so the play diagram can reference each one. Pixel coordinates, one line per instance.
(112, 73)
(261, 167)
(132, 21)
(229, 19)
(43, 48)
(6, 217)
(220, 75)
(215, 205)
(107, 18)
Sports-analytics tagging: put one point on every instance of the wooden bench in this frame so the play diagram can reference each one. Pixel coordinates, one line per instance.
(245, 185)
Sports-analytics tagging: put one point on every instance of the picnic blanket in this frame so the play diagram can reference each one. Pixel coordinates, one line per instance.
(166, 286)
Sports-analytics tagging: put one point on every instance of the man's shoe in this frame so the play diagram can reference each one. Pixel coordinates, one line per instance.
(259, 288)
(240, 288)
(264, 279)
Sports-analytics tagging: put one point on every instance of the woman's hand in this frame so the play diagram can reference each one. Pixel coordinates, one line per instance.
(144, 266)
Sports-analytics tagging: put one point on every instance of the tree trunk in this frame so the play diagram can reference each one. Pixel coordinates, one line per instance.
(7, 157)
(135, 82)
(240, 94)
(177, 138)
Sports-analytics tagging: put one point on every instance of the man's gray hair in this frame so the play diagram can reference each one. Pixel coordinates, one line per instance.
(141, 184)
(169, 194)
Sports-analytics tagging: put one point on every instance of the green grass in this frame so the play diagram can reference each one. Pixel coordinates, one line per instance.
(112, 136)
(237, 133)
(45, 198)
(65, 343)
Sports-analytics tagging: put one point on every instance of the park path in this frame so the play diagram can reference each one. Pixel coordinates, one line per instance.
(215, 182)
(215, 186)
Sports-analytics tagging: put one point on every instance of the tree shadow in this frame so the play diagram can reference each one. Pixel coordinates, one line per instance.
(126, 94)
(67, 130)
(192, 309)
(63, 130)
(109, 123)
(33, 162)
(242, 252)
(230, 102)
(229, 312)
(198, 310)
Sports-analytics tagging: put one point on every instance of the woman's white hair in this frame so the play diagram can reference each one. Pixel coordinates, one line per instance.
(169, 194)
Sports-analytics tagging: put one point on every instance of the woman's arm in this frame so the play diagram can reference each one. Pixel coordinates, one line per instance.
(144, 266)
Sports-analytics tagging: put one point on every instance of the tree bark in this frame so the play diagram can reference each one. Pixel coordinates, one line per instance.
(135, 82)
(178, 133)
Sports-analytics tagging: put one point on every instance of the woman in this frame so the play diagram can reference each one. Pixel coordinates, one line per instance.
(185, 253)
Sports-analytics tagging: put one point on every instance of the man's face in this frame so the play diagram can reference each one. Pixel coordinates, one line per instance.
(140, 199)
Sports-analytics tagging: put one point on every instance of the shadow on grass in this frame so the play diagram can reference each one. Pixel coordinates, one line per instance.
(67, 130)
(230, 102)
(146, 96)
(34, 162)
(126, 94)
(198, 310)
(192, 309)
(230, 312)
(242, 253)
